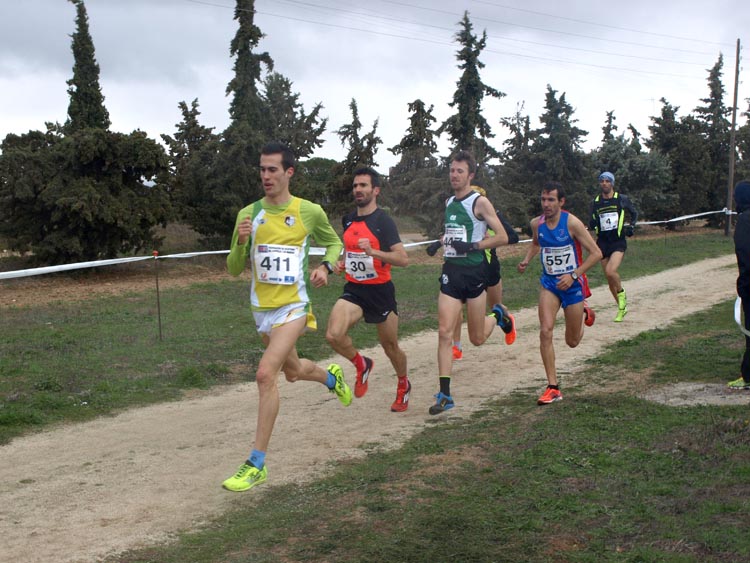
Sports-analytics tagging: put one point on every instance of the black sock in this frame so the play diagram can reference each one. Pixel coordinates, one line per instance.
(445, 385)
(554, 387)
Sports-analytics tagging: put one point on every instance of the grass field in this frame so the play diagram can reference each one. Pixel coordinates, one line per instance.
(77, 360)
(604, 477)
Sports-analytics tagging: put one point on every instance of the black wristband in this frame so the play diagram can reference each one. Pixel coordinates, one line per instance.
(328, 266)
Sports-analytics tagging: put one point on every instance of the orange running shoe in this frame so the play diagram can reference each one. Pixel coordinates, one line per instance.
(402, 398)
(549, 396)
(506, 322)
(360, 384)
(457, 353)
(510, 335)
(589, 315)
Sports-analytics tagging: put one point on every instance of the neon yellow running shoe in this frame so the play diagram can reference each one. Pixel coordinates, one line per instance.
(622, 300)
(621, 315)
(340, 388)
(247, 476)
(739, 383)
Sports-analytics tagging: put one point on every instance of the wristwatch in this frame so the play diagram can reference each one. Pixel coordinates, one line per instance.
(574, 275)
(328, 266)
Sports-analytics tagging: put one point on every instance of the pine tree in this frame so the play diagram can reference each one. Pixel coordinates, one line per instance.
(418, 146)
(614, 152)
(246, 107)
(517, 169)
(664, 129)
(467, 128)
(556, 153)
(229, 179)
(635, 137)
(742, 170)
(236, 181)
(644, 177)
(361, 148)
(314, 179)
(520, 138)
(27, 168)
(360, 152)
(414, 177)
(609, 127)
(192, 151)
(681, 141)
(647, 179)
(286, 119)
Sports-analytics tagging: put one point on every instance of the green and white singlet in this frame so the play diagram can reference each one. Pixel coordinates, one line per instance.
(462, 224)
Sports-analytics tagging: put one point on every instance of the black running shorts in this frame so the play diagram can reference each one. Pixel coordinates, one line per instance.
(492, 269)
(375, 300)
(463, 282)
(609, 247)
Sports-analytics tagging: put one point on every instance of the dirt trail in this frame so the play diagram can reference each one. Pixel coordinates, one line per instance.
(78, 492)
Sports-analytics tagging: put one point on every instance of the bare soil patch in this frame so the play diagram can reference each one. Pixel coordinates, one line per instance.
(690, 394)
(111, 484)
(110, 280)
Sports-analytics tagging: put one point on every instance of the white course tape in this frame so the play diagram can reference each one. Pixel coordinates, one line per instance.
(725, 211)
(192, 254)
(65, 267)
(315, 251)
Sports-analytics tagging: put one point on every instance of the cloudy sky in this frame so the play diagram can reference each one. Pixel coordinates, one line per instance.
(621, 56)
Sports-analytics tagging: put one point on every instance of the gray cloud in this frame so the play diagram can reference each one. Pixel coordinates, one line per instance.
(156, 53)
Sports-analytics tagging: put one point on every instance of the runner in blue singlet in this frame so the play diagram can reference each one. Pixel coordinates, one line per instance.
(559, 236)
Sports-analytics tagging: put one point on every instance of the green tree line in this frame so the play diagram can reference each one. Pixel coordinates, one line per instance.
(79, 191)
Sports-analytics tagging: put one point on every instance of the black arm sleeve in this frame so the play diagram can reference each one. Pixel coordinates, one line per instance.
(630, 208)
(509, 230)
(592, 219)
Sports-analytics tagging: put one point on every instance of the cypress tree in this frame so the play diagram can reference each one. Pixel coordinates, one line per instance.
(715, 131)
(86, 106)
(80, 191)
(260, 111)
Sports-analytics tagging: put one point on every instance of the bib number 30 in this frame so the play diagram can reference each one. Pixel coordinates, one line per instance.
(360, 266)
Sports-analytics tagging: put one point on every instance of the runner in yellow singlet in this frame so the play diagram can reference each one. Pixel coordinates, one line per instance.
(273, 235)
